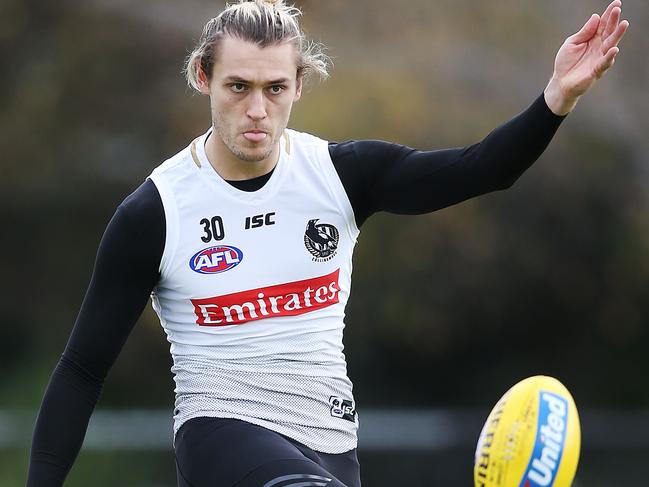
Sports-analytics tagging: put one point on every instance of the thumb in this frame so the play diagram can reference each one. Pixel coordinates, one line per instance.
(587, 31)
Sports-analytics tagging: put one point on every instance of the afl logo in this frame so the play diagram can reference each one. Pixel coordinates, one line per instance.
(321, 240)
(214, 260)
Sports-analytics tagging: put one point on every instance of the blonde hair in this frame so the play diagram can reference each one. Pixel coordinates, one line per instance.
(263, 22)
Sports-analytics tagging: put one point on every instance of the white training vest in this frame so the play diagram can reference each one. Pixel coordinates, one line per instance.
(253, 290)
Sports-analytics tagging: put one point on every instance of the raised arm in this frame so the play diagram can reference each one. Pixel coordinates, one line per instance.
(379, 176)
(126, 270)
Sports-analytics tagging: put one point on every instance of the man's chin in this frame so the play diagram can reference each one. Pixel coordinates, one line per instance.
(248, 154)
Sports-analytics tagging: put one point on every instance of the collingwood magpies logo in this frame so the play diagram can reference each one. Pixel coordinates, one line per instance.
(321, 240)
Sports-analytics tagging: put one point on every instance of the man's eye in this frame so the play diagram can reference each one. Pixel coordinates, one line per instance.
(238, 87)
(276, 89)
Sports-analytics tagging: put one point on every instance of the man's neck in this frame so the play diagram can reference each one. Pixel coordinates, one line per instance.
(230, 167)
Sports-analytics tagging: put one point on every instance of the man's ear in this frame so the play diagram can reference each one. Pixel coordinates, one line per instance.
(201, 78)
(298, 86)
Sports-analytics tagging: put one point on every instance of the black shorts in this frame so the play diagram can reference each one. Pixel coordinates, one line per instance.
(220, 452)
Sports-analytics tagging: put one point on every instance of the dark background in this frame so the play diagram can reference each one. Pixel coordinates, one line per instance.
(448, 310)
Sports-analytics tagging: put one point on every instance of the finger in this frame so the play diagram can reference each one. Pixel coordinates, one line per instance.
(615, 38)
(607, 61)
(613, 21)
(607, 14)
(587, 31)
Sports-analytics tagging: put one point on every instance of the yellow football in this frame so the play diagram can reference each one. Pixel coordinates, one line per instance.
(531, 438)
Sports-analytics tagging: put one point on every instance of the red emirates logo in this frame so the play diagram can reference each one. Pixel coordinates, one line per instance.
(290, 299)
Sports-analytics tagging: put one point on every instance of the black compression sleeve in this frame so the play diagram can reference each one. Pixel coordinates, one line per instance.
(380, 176)
(126, 270)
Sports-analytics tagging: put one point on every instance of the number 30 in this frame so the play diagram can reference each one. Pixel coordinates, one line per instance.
(213, 229)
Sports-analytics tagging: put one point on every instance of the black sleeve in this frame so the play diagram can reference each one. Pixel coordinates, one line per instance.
(380, 176)
(126, 270)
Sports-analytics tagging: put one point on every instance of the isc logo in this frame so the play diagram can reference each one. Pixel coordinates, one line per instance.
(260, 220)
(213, 260)
(342, 408)
(550, 438)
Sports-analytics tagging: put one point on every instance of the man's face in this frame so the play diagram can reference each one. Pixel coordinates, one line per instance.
(251, 95)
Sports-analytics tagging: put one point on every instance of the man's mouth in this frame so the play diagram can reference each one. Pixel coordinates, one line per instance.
(255, 135)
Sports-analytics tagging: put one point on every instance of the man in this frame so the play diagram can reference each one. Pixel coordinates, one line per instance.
(244, 241)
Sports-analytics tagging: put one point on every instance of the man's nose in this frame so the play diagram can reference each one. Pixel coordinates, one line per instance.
(256, 108)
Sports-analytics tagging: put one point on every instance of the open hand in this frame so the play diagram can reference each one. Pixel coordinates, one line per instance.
(584, 58)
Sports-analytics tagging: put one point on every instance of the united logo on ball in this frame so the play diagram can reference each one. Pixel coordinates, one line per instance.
(532, 438)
